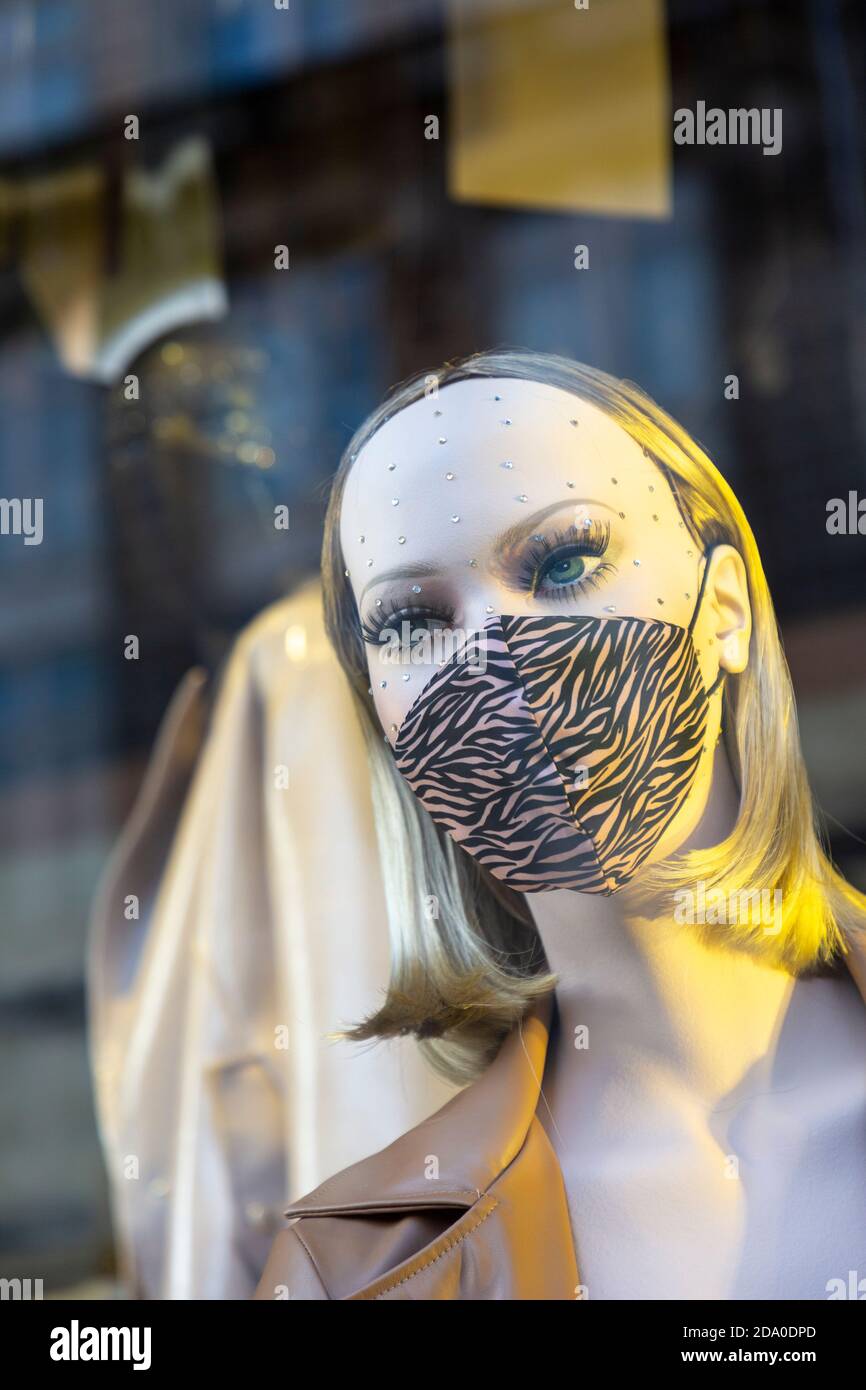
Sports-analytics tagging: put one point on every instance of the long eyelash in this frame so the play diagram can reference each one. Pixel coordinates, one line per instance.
(372, 629)
(590, 540)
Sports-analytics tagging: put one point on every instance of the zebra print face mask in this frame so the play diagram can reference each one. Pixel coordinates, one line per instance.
(562, 763)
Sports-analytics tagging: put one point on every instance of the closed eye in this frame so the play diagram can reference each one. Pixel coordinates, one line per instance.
(387, 624)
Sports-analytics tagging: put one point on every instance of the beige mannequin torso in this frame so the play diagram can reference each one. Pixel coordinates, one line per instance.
(711, 1124)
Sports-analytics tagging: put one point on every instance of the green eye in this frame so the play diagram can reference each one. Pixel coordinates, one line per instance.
(564, 569)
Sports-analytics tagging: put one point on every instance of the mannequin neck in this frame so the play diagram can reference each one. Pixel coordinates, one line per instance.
(648, 989)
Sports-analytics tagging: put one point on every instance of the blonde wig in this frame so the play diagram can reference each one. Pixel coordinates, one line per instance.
(467, 960)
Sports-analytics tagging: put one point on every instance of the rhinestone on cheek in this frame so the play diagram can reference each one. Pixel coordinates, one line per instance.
(455, 517)
(416, 588)
(401, 540)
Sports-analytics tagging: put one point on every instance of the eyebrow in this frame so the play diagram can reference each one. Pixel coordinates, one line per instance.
(506, 540)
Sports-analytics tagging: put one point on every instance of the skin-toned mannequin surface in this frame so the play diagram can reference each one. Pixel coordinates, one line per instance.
(708, 1111)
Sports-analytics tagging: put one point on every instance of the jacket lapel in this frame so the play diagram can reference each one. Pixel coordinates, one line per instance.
(451, 1158)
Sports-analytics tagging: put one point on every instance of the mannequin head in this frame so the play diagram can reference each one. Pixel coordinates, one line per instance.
(504, 496)
(527, 485)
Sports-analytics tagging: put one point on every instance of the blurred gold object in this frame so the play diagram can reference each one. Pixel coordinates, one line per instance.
(555, 107)
(168, 272)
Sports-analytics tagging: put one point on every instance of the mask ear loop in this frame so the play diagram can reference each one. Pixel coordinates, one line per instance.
(671, 481)
(721, 676)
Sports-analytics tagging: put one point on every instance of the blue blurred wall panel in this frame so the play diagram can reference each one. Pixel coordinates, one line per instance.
(65, 65)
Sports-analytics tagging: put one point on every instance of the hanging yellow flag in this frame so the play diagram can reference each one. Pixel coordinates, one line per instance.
(560, 107)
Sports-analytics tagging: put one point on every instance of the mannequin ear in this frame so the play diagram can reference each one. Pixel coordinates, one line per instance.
(731, 620)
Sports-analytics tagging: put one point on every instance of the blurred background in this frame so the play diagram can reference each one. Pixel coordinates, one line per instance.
(227, 227)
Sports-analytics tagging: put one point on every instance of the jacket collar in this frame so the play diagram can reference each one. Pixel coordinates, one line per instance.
(473, 1137)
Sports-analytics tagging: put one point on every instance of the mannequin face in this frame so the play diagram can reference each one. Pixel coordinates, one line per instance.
(506, 496)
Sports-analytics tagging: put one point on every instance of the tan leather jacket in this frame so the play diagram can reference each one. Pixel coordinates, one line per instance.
(492, 1223)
